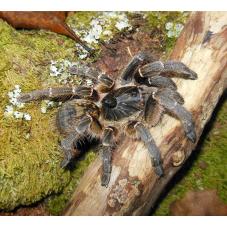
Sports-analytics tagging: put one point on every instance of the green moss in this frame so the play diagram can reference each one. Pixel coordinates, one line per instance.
(56, 203)
(29, 167)
(213, 153)
(157, 27)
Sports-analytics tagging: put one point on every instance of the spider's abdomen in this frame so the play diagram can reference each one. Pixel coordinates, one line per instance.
(121, 103)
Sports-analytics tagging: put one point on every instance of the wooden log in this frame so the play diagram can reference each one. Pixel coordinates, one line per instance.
(134, 188)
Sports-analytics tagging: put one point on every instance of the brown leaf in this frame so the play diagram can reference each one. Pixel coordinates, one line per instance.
(52, 21)
(199, 203)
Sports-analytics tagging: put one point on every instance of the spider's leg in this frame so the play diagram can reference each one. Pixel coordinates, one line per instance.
(179, 69)
(151, 69)
(105, 83)
(85, 71)
(171, 101)
(108, 147)
(149, 142)
(169, 68)
(152, 111)
(130, 70)
(61, 93)
(67, 144)
(84, 124)
(160, 82)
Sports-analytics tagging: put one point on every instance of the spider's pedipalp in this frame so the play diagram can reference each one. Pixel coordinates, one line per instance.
(170, 102)
(149, 142)
(130, 70)
(108, 143)
(84, 71)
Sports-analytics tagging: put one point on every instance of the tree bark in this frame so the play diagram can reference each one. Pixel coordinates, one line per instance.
(134, 188)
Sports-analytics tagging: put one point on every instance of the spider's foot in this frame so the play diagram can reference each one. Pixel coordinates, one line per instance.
(26, 97)
(191, 135)
(65, 162)
(105, 179)
(159, 170)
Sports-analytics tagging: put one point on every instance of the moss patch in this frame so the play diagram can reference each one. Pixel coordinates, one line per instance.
(158, 27)
(29, 167)
(207, 169)
(56, 203)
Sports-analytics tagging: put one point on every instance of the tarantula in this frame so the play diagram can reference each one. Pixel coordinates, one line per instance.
(130, 104)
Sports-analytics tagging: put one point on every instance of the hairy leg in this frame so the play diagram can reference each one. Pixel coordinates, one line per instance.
(108, 147)
(137, 61)
(171, 101)
(57, 93)
(169, 68)
(67, 146)
(160, 82)
(68, 143)
(105, 83)
(145, 136)
(152, 111)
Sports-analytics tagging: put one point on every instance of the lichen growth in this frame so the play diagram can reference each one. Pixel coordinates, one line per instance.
(212, 152)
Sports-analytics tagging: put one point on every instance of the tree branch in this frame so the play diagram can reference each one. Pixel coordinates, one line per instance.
(134, 188)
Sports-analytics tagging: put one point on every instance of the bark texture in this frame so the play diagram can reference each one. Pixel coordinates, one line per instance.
(134, 188)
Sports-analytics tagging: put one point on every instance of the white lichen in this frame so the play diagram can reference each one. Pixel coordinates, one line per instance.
(173, 30)
(89, 82)
(27, 117)
(18, 115)
(48, 105)
(123, 23)
(102, 27)
(8, 111)
(12, 109)
(13, 97)
(59, 70)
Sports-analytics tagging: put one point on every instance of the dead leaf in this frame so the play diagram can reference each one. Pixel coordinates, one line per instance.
(52, 21)
(199, 203)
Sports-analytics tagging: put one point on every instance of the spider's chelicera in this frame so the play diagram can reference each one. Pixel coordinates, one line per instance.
(129, 105)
